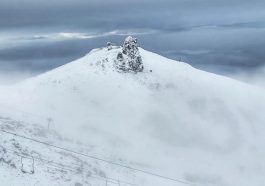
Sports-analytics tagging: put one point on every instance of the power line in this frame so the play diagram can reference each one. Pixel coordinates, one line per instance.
(56, 166)
(67, 168)
(101, 159)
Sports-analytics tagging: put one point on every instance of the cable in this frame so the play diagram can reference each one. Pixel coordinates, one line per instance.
(69, 168)
(100, 159)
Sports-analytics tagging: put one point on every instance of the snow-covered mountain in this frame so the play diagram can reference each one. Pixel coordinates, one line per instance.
(169, 119)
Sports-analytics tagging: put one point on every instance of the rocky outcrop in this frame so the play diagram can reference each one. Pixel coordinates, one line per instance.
(129, 60)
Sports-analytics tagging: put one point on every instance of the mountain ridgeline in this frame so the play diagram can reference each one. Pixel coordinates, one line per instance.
(135, 108)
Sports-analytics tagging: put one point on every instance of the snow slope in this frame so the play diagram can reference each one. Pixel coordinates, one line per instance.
(171, 119)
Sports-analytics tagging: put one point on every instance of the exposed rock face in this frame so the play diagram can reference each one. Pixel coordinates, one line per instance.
(129, 60)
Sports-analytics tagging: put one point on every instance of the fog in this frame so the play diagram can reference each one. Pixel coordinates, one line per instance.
(206, 124)
(255, 76)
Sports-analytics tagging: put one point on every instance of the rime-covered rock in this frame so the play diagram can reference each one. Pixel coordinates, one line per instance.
(109, 45)
(130, 59)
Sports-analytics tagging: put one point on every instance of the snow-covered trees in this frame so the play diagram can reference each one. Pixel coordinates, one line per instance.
(129, 60)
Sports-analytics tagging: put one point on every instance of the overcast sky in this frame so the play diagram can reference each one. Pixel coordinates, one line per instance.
(216, 35)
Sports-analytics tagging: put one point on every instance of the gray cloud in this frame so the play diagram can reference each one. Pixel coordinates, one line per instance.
(168, 14)
(226, 34)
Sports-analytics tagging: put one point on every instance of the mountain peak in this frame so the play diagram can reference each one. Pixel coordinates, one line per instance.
(131, 39)
(129, 60)
(175, 110)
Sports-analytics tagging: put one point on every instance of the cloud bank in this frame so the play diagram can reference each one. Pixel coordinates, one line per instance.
(219, 36)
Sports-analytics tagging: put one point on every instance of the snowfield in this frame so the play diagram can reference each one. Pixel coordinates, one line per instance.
(171, 120)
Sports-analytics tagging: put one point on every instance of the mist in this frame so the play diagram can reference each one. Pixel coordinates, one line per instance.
(193, 115)
(187, 115)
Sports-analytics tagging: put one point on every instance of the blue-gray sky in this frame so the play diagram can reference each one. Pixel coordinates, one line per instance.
(220, 36)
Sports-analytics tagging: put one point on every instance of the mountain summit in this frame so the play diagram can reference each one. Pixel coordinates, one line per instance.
(141, 109)
(129, 60)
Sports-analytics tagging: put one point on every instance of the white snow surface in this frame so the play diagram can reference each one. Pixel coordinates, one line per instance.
(171, 119)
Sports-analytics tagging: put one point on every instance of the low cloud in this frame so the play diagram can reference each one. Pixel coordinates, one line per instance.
(69, 35)
(218, 36)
